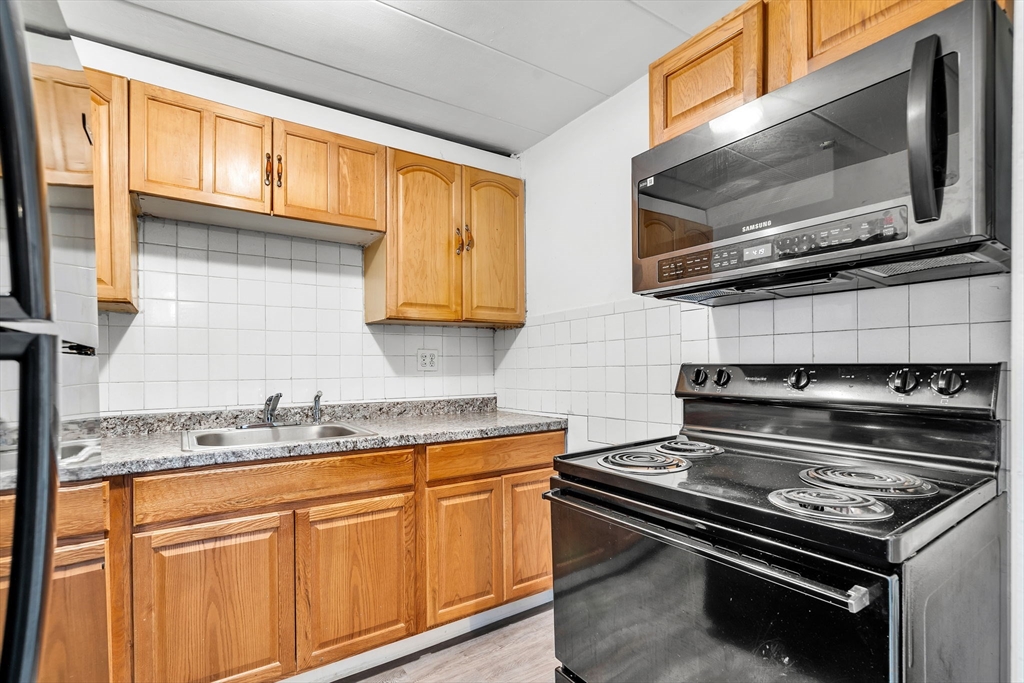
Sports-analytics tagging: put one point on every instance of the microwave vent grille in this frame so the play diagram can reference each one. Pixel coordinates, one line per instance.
(893, 269)
(699, 297)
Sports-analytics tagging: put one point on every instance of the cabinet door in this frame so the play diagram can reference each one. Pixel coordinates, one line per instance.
(825, 31)
(527, 527)
(327, 177)
(464, 558)
(493, 275)
(710, 74)
(63, 107)
(425, 241)
(116, 231)
(354, 577)
(184, 147)
(215, 601)
(76, 636)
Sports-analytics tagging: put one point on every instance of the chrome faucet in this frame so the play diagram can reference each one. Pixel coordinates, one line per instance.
(270, 408)
(316, 407)
(269, 415)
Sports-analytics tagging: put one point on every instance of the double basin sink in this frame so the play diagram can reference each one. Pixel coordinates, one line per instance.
(202, 439)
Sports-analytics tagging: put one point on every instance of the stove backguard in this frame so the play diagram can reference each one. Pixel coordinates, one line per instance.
(854, 409)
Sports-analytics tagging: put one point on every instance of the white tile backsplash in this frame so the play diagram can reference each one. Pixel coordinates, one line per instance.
(630, 395)
(228, 317)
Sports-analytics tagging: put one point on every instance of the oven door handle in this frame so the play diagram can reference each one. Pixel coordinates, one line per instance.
(853, 600)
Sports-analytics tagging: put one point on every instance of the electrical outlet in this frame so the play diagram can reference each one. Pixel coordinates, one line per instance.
(429, 360)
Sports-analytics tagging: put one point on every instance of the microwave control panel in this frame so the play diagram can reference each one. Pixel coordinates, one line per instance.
(858, 231)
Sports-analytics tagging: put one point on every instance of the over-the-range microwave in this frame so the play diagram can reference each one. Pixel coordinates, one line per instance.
(888, 167)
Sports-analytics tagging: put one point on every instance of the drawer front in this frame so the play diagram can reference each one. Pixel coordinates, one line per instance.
(183, 495)
(486, 456)
(81, 510)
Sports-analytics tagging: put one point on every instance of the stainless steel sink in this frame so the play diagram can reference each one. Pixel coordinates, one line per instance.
(202, 439)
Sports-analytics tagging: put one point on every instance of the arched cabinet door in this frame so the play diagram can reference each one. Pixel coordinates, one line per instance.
(425, 239)
(492, 277)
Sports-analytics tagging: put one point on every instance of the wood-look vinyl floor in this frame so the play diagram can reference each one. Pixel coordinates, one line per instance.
(521, 652)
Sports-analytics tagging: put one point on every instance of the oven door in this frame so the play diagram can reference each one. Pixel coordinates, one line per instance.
(639, 600)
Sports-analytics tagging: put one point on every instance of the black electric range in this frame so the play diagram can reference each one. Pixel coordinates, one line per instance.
(862, 497)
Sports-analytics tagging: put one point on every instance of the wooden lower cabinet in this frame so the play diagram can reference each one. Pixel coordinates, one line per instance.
(355, 566)
(464, 558)
(215, 601)
(77, 636)
(527, 533)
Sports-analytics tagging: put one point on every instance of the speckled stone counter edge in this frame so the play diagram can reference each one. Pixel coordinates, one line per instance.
(161, 451)
(150, 423)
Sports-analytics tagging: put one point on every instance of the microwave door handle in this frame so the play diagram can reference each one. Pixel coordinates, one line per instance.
(853, 600)
(921, 130)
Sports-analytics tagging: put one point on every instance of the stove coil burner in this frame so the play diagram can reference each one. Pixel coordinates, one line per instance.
(641, 462)
(843, 506)
(877, 482)
(689, 449)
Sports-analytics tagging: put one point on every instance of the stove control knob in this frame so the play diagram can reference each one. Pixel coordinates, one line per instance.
(699, 377)
(903, 381)
(799, 379)
(722, 377)
(947, 382)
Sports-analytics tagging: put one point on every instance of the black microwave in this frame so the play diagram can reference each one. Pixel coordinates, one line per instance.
(888, 167)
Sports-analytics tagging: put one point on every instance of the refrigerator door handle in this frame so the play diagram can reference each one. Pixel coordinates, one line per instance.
(36, 353)
(23, 181)
(35, 493)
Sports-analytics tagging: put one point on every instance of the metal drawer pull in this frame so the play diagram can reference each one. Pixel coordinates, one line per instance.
(462, 244)
(469, 239)
(270, 169)
(853, 600)
(280, 170)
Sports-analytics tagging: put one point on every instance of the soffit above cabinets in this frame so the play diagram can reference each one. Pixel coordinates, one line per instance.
(496, 74)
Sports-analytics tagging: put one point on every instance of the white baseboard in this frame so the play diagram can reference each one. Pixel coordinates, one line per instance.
(420, 641)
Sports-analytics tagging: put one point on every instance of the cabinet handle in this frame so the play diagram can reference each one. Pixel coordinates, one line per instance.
(280, 170)
(469, 239)
(462, 244)
(270, 169)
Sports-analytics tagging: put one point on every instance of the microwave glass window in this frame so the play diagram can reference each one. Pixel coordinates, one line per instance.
(661, 233)
(845, 155)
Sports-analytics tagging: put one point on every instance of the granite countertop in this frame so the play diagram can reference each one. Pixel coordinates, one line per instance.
(161, 450)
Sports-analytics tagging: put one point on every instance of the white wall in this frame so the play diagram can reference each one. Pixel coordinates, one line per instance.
(577, 206)
(228, 317)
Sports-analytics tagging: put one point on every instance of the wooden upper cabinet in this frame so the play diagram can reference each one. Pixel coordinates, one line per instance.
(355, 566)
(77, 635)
(184, 147)
(715, 71)
(215, 601)
(328, 178)
(493, 274)
(63, 111)
(527, 529)
(115, 223)
(418, 266)
(824, 31)
(464, 557)
(454, 248)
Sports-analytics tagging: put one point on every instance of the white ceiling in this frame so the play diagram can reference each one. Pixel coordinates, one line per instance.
(496, 74)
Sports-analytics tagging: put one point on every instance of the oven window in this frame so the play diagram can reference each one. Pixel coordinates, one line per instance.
(843, 156)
